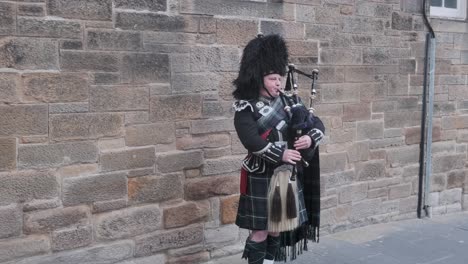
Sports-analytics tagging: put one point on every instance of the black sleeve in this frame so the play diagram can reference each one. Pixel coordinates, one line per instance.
(316, 134)
(247, 130)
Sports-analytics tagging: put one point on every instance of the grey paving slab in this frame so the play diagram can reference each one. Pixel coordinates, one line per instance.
(441, 239)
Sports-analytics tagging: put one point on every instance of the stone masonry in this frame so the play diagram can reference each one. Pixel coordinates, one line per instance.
(116, 137)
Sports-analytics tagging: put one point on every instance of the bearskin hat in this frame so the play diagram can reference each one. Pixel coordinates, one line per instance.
(262, 55)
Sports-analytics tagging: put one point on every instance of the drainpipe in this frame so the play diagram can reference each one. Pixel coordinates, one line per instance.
(425, 155)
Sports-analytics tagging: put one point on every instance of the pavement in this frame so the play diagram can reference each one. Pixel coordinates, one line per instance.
(436, 240)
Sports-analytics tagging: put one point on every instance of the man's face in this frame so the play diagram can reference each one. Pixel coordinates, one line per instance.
(272, 83)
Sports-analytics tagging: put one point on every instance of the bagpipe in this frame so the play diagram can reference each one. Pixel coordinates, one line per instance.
(282, 202)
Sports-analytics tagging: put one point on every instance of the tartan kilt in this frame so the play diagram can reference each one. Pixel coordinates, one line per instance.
(252, 212)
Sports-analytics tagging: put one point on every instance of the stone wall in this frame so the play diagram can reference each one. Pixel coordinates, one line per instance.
(116, 136)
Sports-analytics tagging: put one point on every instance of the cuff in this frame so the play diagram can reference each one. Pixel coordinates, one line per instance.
(316, 135)
(272, 153)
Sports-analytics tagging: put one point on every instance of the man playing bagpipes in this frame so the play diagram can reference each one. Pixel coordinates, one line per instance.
(280, 181)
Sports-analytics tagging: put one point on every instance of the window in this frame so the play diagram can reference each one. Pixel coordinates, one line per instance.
(455, 9)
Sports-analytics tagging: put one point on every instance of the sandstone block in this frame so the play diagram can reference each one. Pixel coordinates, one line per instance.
(203, 141)
(84, 61)
(55, 87)
(23, 120)
(284, 11)
(68, 108)
(363, 209)
(217, 236)
(106, 254)
(71, 44)
(128, 159)
(363, 25)
(81, 9)
(195, 82)
(451, 196)
(179, 160)
(339, 93)
(443, 164)
(11, 221)
(128, 222)
(457, 179)
(153, 243)
(38, 27)
(7, 18)
(150, 134)
(356, 112)
(213, 59)
(340, 56)
(7, 154)
(399, 191)
(104, 206)
(197, 189)
(31, 9)
(113, 40)
(72, 238)
(94, 188)
(175, 107)
(403, 155)
(145, 68)
(369, 130)
(402, 21)
(221, 165)
(199, 257)
(106, 78)
(23, 247)
(229, 206)
(438, 182)
(56, 155)
(25, 186)
(353, 193)
(156, 22)
(402, 119)
(229, 31)
(373, 9)
(85, 126)
(212, 126)
(155, 5)
(185, 214)
(383, 183)
(23, 54)
(155, 188)
(336, 179)
(49, 220)
(290, 30)
(371, 170)
(155, 259)
(334, 162)
(9, 85)
(118, 98)
(317, 32)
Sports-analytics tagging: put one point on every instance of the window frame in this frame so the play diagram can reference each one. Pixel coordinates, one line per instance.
(450, 13)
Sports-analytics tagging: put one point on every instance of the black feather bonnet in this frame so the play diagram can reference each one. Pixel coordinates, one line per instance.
(262, 55)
